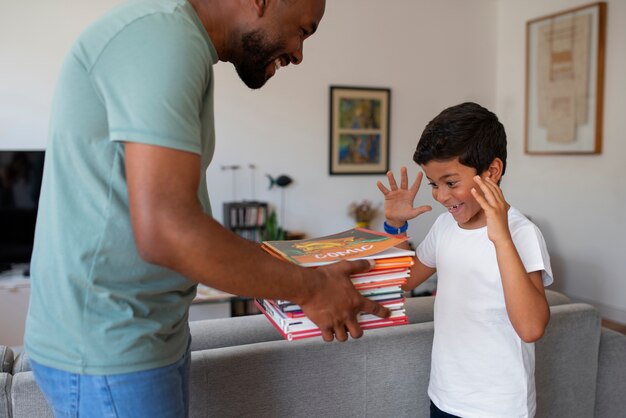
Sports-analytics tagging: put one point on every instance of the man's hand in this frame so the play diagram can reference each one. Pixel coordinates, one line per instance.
(399, 200)
(495, 207)
(334, 302)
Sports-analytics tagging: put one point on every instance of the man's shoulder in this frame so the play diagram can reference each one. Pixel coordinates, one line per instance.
(140, 23)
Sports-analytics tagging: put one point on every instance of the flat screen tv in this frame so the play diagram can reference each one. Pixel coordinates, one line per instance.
(20, 183)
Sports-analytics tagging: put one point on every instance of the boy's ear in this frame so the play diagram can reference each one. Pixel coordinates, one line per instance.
(494, 171)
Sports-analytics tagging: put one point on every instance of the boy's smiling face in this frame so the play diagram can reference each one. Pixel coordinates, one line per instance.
(451, 184)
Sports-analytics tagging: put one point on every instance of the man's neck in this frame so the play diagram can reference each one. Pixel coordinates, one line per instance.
(218, 19)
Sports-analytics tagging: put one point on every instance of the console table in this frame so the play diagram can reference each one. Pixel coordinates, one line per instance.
(14, 295)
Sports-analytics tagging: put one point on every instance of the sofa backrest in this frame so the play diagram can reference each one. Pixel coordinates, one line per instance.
(228, 332)
(567, 362)
(383, 374)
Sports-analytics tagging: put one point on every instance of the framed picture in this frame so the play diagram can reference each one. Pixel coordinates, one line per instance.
(359, 130)
(565, 81)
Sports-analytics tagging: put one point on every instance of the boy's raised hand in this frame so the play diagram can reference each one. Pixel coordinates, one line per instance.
(399, 200)
(495, 207)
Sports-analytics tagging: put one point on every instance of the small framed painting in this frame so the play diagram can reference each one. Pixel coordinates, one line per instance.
(359, 130)
(565, 81)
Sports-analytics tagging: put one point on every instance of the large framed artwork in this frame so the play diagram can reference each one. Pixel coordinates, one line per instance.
(359, 130)
(565, 81)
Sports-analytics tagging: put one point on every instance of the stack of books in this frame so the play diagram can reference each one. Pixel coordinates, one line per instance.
(381, 284)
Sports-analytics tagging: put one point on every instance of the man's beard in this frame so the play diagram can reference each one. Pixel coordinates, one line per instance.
(257, 54)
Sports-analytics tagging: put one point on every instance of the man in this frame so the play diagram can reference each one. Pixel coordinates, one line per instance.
(124, 230)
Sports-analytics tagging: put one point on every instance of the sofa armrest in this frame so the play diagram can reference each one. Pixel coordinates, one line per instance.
(6, 359)
(230, 332)
(556, 298)
(21, 363)
(5, 394)
(611, 386)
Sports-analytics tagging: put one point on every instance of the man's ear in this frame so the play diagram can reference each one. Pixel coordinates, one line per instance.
(494, 171)
(259, 7)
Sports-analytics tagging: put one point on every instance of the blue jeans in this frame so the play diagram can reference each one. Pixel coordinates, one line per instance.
(161, 392)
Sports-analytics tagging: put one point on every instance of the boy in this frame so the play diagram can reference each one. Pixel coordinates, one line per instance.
(491, 262)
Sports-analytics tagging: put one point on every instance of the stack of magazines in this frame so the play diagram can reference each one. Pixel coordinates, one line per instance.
(381, 284)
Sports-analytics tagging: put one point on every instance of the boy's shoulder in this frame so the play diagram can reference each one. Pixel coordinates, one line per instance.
(517, 220)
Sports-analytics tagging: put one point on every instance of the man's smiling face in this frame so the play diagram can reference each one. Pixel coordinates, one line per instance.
(278, 40)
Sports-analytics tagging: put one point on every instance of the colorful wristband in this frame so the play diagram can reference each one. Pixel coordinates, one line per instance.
(395, 231)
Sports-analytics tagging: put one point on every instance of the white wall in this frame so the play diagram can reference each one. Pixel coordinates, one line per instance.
(578, 201)
(432, 54)
(34, 38)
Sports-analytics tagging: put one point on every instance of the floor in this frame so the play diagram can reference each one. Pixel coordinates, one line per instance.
(614, 326)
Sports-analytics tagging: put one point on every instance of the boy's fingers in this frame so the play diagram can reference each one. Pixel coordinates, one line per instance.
(481, 200)
(392, 180)
(421, 209)
(382, 187)
(404, 179)
(416, 184)
(486, 189)
(496, 189)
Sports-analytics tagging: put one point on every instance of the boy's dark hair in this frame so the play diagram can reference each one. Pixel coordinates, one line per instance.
(467, 131)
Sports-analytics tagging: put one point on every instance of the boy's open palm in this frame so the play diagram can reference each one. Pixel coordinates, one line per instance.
(495, 207)
(399, 200)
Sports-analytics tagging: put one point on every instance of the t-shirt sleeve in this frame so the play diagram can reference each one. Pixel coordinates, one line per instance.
(533, 251)
(426, 251)
(151, 77)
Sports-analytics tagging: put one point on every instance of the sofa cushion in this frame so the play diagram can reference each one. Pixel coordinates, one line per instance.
(360, 378)
(5, 394)
(567, 362)
(6, 359)
(611, 387)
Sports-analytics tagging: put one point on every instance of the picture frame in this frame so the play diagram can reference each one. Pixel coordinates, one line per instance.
(565, 81)
(359, 130)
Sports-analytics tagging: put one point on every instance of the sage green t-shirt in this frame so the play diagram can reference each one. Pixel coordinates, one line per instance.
(143, 73)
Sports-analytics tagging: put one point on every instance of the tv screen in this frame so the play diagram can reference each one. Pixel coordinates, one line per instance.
(20, 183)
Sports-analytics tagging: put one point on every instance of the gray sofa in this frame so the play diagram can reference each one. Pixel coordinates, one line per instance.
(241, 367)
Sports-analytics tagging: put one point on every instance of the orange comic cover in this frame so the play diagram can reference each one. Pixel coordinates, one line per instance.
(346, 245)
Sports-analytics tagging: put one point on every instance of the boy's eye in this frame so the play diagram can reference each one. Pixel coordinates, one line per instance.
(451, 183)
(433, 185)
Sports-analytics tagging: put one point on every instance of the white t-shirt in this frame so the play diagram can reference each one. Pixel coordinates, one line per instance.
(480, 366)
